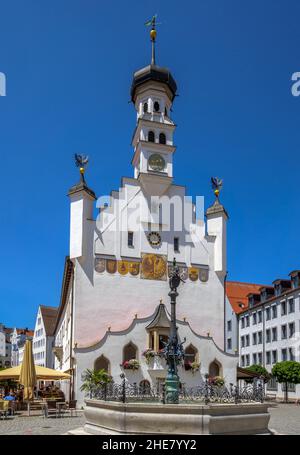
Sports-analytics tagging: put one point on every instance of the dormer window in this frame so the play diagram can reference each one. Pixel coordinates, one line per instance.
(151, 136)
(277, 289)
(156, 106)
(145, 108)
(162, 138)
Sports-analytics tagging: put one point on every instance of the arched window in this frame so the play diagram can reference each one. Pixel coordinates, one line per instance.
(166, 112)
(151, 136)
(102, 363)
(129, 352)
(145, 107)
(190, 356)
(162, 138)
(215, 369)
(144, 387)
(156, 106)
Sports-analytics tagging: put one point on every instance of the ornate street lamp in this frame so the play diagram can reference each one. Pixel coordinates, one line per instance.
(173, 350)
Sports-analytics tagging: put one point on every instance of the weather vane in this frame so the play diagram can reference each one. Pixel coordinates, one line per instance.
(216, 184)
(152, 22)
(81, 161)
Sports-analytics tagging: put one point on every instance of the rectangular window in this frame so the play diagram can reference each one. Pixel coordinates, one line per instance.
(176, 244)
(254, 318)
(254, 358)
(243, 341)
(243, 360)
(229, 326)
(291, 387)
(247, 340)
(243, 322)
(272, 384)
(283, 354)
(274, 334)
(291, 354)
(268, 336)
(259, 337)
(247, 321)
(283, 308)
(291, 329)
(274, 356)
(130, 239)
(274, 311)
(291, 306)
(260, 358)
(254, 338)
(268, 313)
(229, 343)
(283, 332)
(268, 357)
(247, 360)
(259, 314)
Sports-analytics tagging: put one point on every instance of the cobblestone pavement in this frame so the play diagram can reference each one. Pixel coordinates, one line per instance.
(36, 424)
(285, 418)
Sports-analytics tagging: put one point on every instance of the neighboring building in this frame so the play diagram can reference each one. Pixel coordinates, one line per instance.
(44, 336)
(63, 341)
(269, 329)
(5, 347)
(236, 302)
(17, 339)
(117, 271)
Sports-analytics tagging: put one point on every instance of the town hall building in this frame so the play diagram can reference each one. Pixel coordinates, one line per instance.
(114, 311)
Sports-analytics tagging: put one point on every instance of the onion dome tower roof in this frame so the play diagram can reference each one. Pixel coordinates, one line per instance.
(153, 72)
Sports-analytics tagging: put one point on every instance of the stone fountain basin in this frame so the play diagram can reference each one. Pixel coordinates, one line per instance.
(109, 417)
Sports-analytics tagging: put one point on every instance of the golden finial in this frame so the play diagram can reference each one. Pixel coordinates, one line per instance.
(81, 161)
(216, 184)
(152, 22)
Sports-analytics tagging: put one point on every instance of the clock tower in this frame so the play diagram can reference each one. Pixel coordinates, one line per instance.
(152, 93)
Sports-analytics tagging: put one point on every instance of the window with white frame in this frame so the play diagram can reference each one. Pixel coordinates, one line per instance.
(291, 305)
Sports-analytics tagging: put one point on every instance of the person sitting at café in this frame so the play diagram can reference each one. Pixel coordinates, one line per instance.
(10, 396)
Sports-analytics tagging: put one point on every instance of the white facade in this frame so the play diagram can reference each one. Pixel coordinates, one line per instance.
(62, 345)
(269, 332)
(120, 273)
(231, 329)
(42, 342)
(18, 338)
(5, 348)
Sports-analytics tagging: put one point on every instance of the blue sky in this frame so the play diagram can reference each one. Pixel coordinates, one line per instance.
(69, 65)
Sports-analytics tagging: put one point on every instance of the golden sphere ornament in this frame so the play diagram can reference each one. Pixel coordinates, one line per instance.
(153, 34)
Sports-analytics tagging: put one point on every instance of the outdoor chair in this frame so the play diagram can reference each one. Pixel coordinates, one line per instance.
(4, 406)
(50, 408)
(71, 407)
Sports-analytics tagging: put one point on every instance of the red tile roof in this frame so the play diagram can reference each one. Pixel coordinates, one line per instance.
(237, 294)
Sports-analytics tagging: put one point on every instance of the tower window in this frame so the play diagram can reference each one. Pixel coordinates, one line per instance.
(156, 106)
(130, 239)
(166, 112)
(162, 138)
(151, 137)
(176, 244)
(145, 108)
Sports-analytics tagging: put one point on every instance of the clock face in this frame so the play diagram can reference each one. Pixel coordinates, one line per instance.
(154, 238)
(156, 162)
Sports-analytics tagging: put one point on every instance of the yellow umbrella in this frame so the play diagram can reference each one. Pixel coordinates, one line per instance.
(27, 373)
(42, 373)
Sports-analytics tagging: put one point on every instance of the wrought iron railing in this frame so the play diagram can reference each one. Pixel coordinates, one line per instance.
(205, 393)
